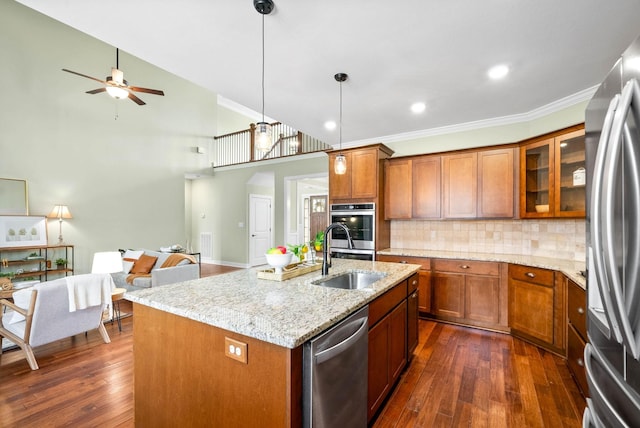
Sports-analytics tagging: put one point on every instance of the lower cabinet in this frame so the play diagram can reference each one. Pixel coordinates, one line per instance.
(536, 306)
(577, 333)
(387, 344)
(469, 292)
(424, 277)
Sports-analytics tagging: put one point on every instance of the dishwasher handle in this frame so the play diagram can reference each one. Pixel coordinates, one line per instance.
(336, 349)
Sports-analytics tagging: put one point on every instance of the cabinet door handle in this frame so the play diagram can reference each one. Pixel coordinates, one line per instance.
(414, 282)
(580, 362)
(531, 274)
(581, 311)
(404, 262)
(465, 267)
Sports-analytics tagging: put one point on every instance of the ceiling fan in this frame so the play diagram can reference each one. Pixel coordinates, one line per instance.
(116, 86)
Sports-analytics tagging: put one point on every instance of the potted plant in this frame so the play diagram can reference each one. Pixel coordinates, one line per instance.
(23, 234)
(11, 235)
(318, 241)
(5, 281)
(34, 234)
(61, 263)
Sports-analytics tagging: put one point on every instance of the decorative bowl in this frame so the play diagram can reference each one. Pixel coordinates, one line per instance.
(278, 261)
(542, 208)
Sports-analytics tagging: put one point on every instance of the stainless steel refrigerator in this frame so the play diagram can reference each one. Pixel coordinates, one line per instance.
(613, 247)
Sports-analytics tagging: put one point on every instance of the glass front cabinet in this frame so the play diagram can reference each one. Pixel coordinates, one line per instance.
(552, 176)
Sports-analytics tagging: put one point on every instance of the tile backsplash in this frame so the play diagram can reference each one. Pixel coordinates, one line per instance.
(564, 239)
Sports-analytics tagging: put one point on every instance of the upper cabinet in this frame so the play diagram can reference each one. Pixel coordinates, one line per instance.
(470, 184)
(412, 187)
(552, 175)
(363, 179)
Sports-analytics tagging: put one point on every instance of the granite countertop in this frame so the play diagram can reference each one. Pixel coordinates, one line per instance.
(570, 268)
(286, 313)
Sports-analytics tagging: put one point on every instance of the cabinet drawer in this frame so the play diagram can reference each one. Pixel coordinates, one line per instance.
(577, 309)
(466, 266)
(531, 274)
(424, 262)
(389, 300)
(575, 359)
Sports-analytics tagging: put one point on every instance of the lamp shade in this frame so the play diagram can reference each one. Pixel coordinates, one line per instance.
(107, 262)
(340, 164)
(60, 211)
(117, 93)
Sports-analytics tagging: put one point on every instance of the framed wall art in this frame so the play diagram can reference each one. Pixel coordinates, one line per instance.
(14, 197)
(23, 231)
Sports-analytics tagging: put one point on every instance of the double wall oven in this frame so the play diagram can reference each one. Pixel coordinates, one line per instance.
(360, 219)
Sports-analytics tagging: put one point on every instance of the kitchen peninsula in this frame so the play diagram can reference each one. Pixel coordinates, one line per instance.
(182, 333)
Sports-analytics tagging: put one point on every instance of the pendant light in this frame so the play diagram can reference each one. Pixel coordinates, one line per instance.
(340, 163)
(263, 129)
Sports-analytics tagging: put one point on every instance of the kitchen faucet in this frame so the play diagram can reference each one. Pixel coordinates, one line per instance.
(326, 263)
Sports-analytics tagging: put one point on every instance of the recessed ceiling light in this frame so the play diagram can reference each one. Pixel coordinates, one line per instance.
(418, 107)
(498, 72)
(330, 125)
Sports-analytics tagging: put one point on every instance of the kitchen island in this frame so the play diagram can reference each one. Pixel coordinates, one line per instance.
(183, 333)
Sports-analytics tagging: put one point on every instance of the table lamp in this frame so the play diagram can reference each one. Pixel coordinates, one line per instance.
(60, 212)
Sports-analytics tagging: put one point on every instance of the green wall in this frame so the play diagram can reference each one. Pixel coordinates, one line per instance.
(123, 179)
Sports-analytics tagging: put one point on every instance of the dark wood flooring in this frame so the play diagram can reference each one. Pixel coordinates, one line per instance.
(458, 377)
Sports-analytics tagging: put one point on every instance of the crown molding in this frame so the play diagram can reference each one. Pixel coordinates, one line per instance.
(529, 116)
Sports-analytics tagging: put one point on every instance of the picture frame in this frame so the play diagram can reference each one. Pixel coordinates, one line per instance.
(14, 197)
(23, 231)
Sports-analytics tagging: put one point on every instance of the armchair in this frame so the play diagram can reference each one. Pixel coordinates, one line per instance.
(46, 317)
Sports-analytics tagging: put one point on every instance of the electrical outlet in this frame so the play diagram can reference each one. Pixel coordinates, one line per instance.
(235, 349)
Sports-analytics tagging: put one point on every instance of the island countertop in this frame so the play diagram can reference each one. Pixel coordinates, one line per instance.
(285, 313)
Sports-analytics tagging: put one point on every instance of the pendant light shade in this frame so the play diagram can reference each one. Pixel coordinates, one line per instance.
(262, 135)
(340, 162)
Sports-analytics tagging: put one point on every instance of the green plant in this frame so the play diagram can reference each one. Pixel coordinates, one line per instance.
(9, 275)
(12, 232)
(22, 231)
(61, 262)
(318, 241)
(34, 231)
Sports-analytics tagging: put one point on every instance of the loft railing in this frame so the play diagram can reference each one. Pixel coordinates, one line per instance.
(239, 147)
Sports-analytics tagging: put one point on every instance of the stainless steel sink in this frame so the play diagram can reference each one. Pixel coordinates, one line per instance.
(350, 280)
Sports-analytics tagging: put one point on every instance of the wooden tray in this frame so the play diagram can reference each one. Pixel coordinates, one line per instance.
(290, 271)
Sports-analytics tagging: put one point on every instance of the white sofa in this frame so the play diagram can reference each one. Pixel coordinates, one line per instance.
(45, 312)
(184, 271)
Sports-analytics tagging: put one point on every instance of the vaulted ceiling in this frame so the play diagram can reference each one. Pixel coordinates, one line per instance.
(395, 53)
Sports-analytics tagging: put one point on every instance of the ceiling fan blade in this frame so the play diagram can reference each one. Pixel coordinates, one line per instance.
(136, 99)
(84, 75)
(146, 90)
(97, 91)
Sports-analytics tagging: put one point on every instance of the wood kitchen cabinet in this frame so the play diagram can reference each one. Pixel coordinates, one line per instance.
(496, 183)
(412, 187)
(552, 175)
(460, 185)
(470, 292)
(537, 307)
(424, 277)
(364, 177)
(577, 333)
(387, 344)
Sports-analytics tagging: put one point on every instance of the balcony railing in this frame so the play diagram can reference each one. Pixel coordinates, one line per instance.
(239, 147)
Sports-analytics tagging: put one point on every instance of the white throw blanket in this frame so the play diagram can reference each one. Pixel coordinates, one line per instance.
(89, 290)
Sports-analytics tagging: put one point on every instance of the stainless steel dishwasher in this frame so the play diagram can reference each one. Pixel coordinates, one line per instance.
(335, 375)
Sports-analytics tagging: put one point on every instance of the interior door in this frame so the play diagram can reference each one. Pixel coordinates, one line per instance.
(260, 236)
(318, 217)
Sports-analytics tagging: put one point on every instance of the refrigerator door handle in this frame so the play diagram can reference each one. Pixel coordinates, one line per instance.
(619, 134)
(597, 213)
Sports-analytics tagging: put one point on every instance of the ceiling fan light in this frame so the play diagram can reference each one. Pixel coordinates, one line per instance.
(340, 164)
(263, 136)
(117, 93)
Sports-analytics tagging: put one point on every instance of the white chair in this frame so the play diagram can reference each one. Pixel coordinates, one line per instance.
(46, 316)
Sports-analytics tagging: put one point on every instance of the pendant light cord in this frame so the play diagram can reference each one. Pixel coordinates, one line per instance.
(341, 117)
(262, 67)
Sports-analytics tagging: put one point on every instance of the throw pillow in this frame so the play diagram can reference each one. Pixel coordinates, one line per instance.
(129, 258)
(144, 264)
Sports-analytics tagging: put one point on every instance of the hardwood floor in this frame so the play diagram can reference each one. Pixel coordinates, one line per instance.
(466, 377)
(458, 377)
